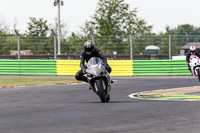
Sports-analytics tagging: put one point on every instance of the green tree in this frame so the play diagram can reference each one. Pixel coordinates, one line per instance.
(73, 44)
(37, 27)
(186, 33)
(63, 26)
(36, 36)
(113, 17)
(4, 28)
(110, 24)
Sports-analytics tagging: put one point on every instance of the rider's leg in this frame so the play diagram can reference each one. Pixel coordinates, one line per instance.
(79, 76)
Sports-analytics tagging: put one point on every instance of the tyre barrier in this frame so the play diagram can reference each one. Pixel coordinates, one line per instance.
(119, 67)
(70, 67)
(160, 68)
(27, 67)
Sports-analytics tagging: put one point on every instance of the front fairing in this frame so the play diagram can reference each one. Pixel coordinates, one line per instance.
(194, 64)
(194, 61)
(95, 67)
(96, 70)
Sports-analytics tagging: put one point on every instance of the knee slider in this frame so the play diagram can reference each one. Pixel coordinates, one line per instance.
(77, 76)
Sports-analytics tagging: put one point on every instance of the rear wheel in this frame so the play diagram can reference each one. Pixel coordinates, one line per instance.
(101, 92)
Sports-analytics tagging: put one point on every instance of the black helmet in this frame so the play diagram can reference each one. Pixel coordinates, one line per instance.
(89, 46)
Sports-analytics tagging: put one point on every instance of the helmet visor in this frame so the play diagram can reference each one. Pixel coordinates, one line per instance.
(88, 49)
(192, 51)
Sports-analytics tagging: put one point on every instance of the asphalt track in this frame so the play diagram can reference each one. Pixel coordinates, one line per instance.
(75, 109)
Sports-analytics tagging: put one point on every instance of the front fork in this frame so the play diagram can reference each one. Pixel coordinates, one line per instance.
(106, 85)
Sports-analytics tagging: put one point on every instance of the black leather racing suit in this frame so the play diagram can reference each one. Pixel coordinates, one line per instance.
(85, 57)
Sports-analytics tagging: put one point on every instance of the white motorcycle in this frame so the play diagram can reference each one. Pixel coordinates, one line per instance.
(194, 63)
(98, 78)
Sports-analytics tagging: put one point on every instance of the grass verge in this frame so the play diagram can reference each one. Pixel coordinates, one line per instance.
(13, 82)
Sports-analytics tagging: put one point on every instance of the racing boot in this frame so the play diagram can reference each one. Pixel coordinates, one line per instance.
(111, 81)
(90, 88)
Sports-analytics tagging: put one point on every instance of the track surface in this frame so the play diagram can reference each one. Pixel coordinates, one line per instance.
(75, 109)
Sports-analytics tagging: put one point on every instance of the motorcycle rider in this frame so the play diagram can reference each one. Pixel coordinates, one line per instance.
(191, 52)
(88, 52)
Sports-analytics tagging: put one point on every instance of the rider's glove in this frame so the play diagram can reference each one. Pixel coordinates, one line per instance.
(84, 70)
(105, 64)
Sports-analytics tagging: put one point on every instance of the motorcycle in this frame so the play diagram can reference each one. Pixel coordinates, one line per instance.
(98, 78)
(194, 63)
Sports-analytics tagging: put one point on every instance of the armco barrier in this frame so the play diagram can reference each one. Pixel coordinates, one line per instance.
(27, 67)
(119, 67)
(160, 68)
(70, 67)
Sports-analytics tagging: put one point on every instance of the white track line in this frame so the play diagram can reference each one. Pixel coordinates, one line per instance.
(133, 94)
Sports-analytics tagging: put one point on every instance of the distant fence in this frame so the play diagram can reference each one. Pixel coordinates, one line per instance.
(70, 67)
(109, 45)
(77, 57)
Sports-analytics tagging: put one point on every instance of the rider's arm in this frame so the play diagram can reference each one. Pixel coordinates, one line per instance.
(100, 54)
(198, 54)
(187, 57)
(82, 62)
(82, 65)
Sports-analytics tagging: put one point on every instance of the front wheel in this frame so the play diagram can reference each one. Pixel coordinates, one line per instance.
(101, 92)
(108, 98)
(198, 74)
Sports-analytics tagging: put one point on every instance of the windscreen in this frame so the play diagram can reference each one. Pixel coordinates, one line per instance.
(94, 61)
(193, 56)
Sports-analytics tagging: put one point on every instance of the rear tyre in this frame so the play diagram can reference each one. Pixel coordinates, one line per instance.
(101, 93)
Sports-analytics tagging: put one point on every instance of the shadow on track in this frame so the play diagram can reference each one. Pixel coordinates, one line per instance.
(110, 102)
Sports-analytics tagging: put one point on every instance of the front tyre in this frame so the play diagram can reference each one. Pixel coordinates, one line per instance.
(108, 98)
(198, 74)
(101, 92)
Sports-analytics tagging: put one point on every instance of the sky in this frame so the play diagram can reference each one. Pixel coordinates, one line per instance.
(159, 13)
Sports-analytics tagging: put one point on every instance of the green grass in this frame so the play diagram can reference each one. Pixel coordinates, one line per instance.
(12, 82)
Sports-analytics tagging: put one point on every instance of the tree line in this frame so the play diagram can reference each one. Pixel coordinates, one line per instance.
(110, 23)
